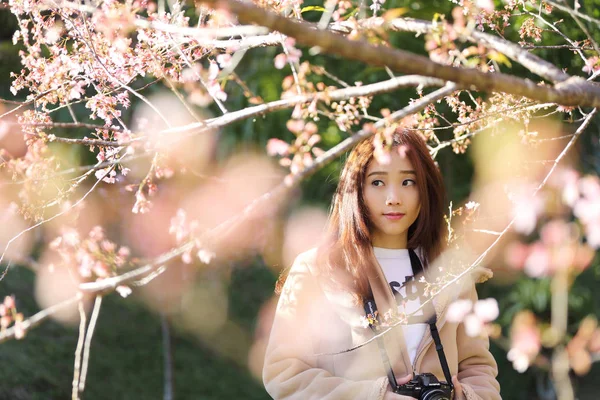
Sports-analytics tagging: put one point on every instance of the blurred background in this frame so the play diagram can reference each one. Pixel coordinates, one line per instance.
(199, 331)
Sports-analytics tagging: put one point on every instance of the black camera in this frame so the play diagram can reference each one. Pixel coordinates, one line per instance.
(426, 387)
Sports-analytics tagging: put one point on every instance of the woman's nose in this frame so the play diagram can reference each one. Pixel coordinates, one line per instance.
(392, 198)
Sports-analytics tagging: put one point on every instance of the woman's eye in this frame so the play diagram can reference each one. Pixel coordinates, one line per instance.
(408, 182)
(377, 182)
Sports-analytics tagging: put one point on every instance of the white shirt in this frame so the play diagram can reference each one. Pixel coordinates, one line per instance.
(397, 269)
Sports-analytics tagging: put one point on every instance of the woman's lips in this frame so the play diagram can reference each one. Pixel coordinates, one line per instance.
(393, 216)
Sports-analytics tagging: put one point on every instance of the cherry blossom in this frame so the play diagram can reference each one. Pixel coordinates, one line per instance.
(525, 341)
(93, 257)
(9, 315)
(475, 316)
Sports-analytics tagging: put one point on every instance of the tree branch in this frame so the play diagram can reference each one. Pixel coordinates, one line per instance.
(574, 91)
(37, 318)
(569, 10)
(387, 86)
(513, 51)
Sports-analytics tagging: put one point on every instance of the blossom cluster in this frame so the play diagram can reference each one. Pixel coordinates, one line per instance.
(562, 243)
(298, 155)
(92, 258)
(9, 315)
(476, 316)
(189, 231)
(100, 56)
(525, 340)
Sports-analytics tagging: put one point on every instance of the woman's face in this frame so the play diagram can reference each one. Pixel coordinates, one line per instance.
(392, 199)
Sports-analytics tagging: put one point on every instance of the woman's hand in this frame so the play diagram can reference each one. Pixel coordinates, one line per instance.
(389, 395)
(458, 391)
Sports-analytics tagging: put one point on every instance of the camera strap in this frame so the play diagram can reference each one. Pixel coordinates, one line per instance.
(371, 312)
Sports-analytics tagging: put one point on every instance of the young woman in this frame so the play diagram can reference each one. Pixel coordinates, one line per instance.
(382, 212)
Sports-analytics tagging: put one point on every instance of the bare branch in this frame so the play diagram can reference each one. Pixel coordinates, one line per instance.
(78, 349)
(88, 342)
(37, 318)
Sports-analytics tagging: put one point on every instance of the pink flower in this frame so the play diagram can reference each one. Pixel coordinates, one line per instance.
(583, 256)
(526, 213)
(382, 156)
(590, 187)
(205, 256)
(86, 265)
(280, 61)
(555, 233)
(5, 321)
(295, 125)
(568, 181)
(124, 252)
(537, 263)
(9, 302)
(277, 147)
(486, 5)
(473, 325)
(97, 233)
(101, 270)
(472, 205)
(516, 254)
(71, 237)
(142, 205)
(591, 65)
(592, 234)
(525, 340)
(186, 257)
(487, 310)
(458, 310)
(123, 290)
(19, 331)
(108, 246)
(224, 60)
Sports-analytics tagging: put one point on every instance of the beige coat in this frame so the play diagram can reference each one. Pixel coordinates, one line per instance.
(311, 323)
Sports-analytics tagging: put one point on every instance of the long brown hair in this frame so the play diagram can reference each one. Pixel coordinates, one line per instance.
(346, 256)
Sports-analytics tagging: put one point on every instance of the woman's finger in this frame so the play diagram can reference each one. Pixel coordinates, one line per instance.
(458, 392)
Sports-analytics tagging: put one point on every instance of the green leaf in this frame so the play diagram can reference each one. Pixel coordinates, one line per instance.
(312, 8)
(499, 58)
(394, 13)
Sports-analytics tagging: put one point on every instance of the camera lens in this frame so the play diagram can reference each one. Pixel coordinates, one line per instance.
(435, 394)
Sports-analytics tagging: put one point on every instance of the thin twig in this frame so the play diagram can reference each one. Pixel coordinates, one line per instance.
(555, 29)
(50, 219)
(576, 13)
(88, 342)
(78, 349)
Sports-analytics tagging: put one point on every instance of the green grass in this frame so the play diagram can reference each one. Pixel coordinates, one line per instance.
(126, 355)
